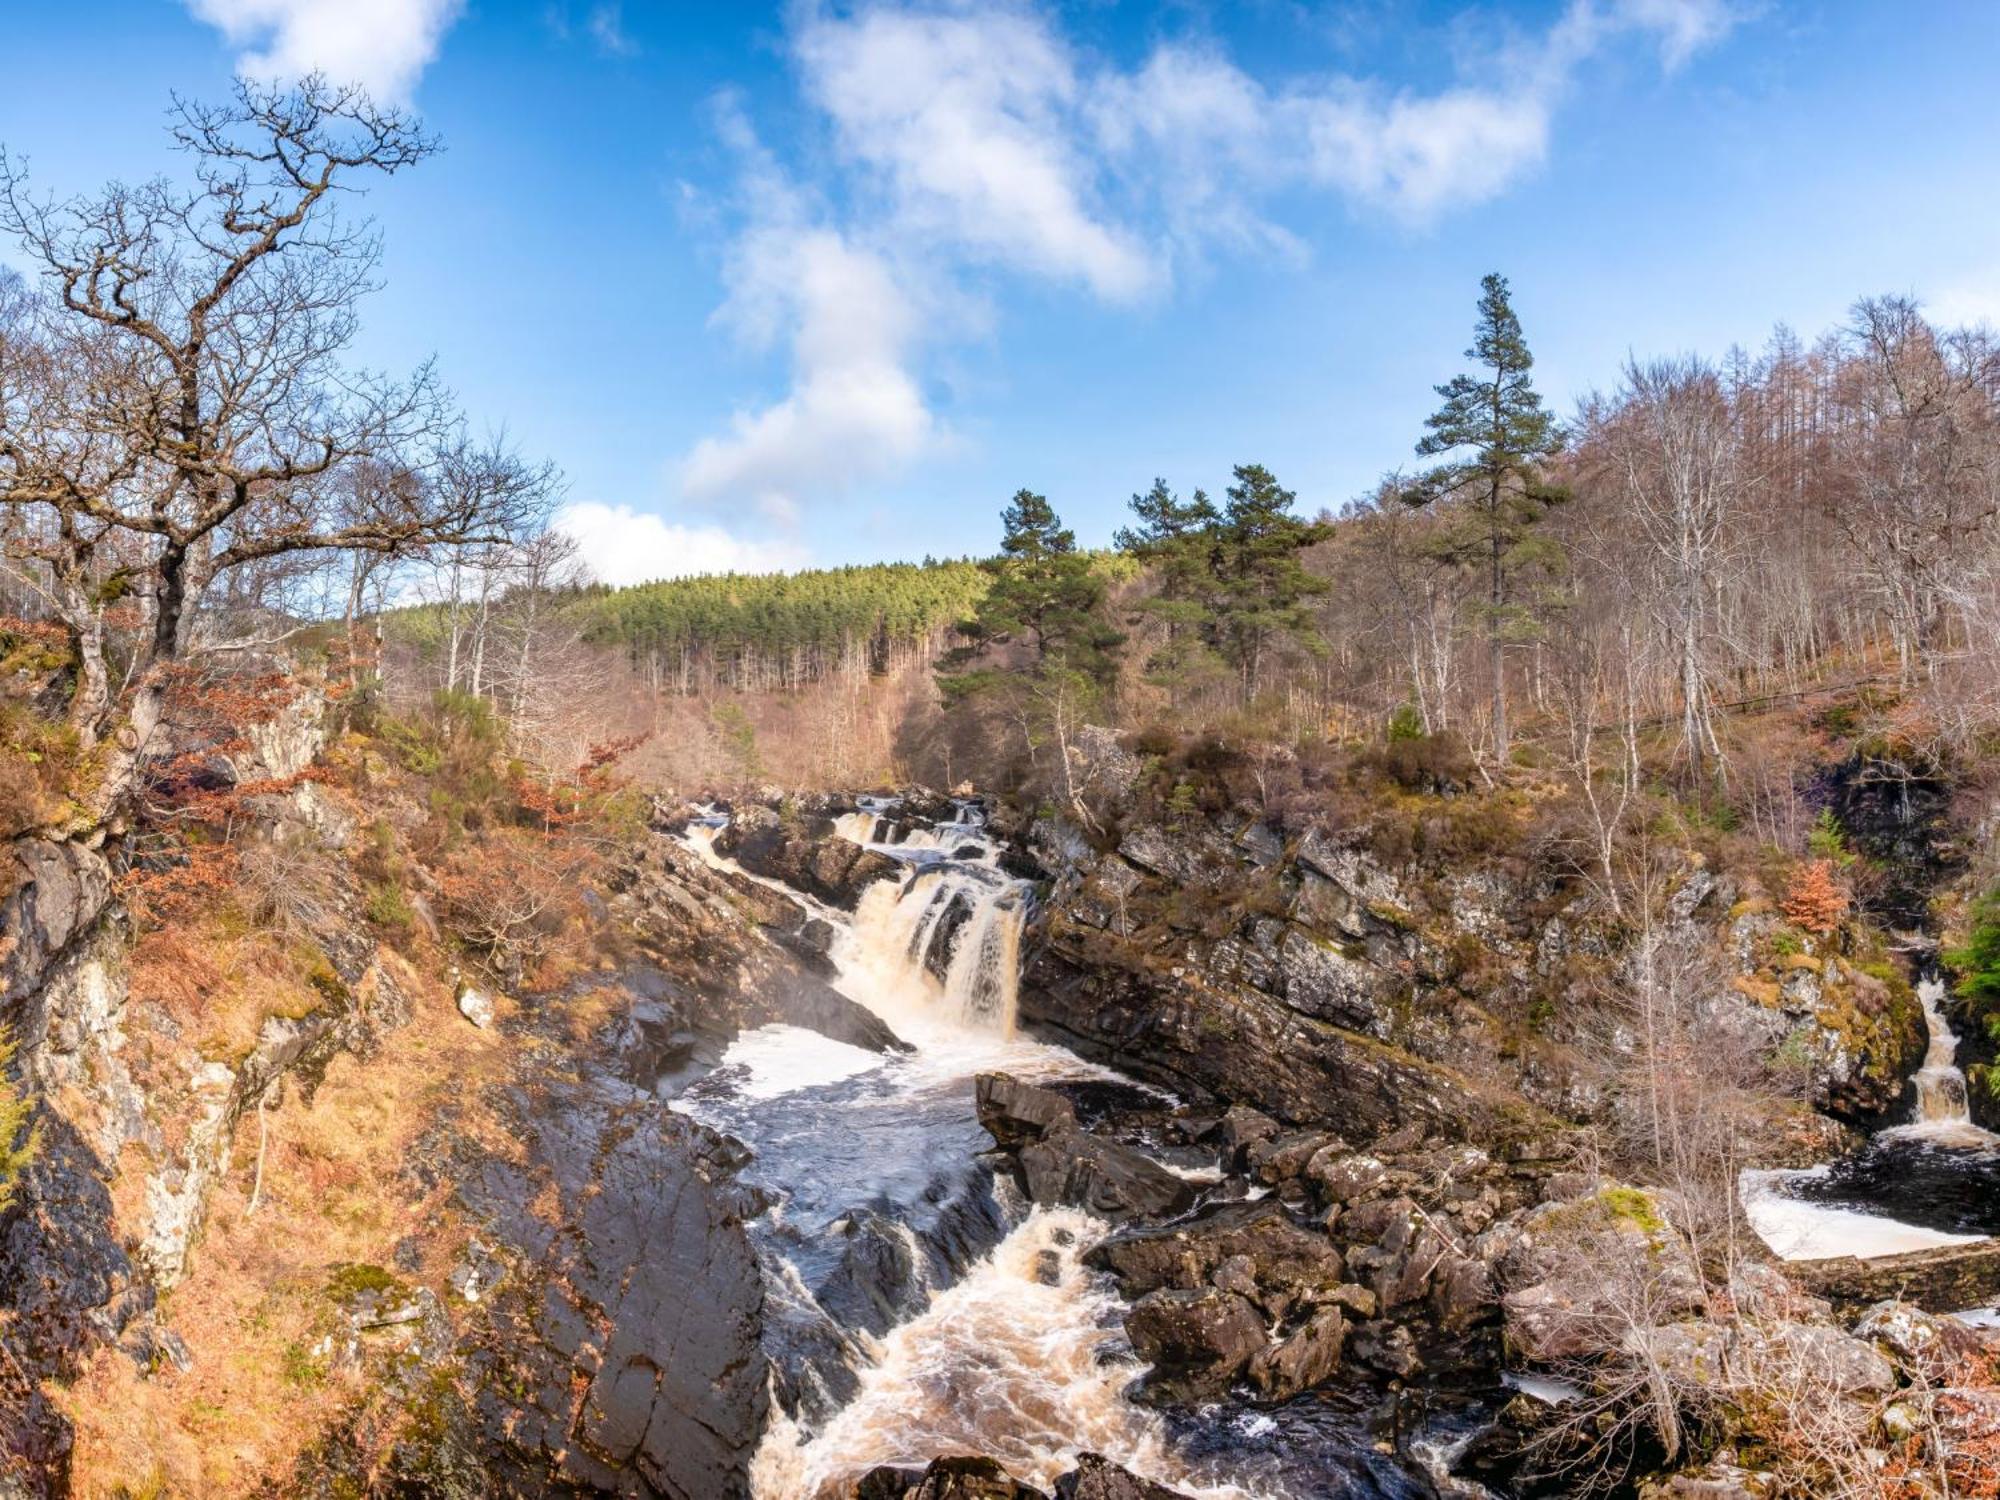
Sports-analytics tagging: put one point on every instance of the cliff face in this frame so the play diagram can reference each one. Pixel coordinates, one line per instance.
(413, 1235)
(1469, 978)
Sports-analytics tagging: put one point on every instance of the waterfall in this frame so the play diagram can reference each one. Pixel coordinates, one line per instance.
(1014, 1361)
(1942, 1114)
(952, 932)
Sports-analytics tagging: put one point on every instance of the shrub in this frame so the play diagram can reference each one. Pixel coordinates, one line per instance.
(1815, 901)
(19, 1139)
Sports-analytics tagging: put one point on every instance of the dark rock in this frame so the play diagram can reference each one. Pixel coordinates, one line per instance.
(808, 857)
(879, 1281)
(1015, 1113)
(1241, 1128)
(1387, 1347)
(630, 1328)
(1071, 1166)
(1196, 1341)
(1281, 1158)
(945, 1479)
(1209, 1036)
(1097, 1478)
(1060, 1163)
(1290, 1265)
(1462, 1293)
(1308, 1356)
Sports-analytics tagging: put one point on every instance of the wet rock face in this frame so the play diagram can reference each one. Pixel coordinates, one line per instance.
(624, 1354)
(1239, 1043)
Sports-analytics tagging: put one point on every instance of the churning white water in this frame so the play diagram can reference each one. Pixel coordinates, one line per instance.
(1020, 1361)
(1022, 1357)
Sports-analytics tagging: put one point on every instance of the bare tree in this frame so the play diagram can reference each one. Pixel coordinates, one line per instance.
(175, 403)
(1672, 448)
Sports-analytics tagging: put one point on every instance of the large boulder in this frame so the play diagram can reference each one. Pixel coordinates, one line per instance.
(1196, 1341)
(1095, 1477)
(969, 1478)
(1059, 1163)
(1305, 1358)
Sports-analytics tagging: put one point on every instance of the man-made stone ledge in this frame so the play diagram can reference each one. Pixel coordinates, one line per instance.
(1949, 1278)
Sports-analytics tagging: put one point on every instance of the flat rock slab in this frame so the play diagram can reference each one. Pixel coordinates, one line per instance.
(1949, 1278)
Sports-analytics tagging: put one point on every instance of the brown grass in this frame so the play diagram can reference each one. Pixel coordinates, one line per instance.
(334, 1192)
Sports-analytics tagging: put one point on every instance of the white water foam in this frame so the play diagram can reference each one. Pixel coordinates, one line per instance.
(1798, 1230)
(1020, 1360)
(770, 1061)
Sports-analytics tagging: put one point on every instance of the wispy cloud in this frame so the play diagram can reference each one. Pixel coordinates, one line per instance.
(850, 328)
(966, 122)
(381, 45)
(622, 546)
(607, 30)
(968, 139)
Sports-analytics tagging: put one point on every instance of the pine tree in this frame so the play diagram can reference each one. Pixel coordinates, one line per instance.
(1230, 579)
(1266, 585)
(1045, 593)
(1177, 540)
(1497, 415)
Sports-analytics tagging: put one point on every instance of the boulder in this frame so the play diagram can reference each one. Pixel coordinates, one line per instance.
(1060, 1163)
(1288, 1264)
(1844, 1364)
(475, 1005)
(1925, 1346)
(1283, 1157)
(1197, 1341)
(1071, 1166)
(1016, 1113)
(1097, 1478)
(1387, 1347)
(945, 1479)
(1305, 1358)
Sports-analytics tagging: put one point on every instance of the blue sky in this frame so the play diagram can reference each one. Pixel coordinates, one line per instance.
(823, 283)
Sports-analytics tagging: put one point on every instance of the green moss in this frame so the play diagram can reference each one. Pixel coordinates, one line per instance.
(1632, 1206)
(358, 1279)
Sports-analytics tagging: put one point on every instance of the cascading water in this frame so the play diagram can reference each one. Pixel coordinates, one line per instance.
(919, 1310)
(1942, 1111)
(1930, 1182)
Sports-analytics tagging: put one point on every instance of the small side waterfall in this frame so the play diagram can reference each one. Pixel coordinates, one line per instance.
(1941, 1097)
(1916, 1186)
(1943, 1115)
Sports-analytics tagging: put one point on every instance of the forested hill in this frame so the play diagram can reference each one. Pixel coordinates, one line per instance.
(783, 629)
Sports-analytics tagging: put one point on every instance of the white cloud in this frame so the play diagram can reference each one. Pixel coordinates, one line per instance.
(970, 136)
(607, 29)
(1968, 303)
(382, 45)
(967, 120)
(851, 325)
(623, 546)
(1683, 27)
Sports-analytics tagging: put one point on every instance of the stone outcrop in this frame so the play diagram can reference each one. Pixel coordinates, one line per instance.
(804, 854)
(1059, 1163)
(1324, 1004)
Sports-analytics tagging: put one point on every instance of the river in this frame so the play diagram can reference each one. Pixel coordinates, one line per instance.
(917, 1306)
